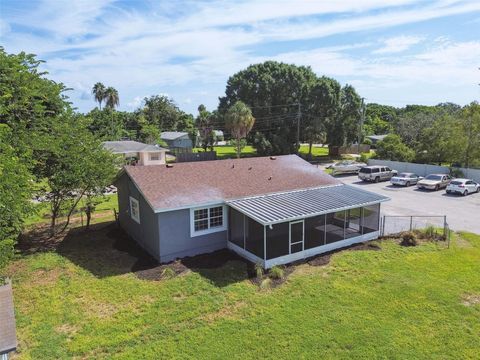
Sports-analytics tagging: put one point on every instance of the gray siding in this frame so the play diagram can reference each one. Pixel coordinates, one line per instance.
(175, 240)
(146, 233)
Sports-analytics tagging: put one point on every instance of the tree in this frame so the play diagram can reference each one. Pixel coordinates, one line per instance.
(471, 130)
(205, 123)
(111, 98)
(239, 121)
(322, 106)
(74, 164)
(392, 148)
(99, 93)
(273, 91)
(15, 194)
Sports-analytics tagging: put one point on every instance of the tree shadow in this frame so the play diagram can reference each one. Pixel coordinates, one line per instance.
(109, 251)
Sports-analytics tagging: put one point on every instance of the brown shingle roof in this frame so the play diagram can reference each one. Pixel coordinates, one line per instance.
(195, 183)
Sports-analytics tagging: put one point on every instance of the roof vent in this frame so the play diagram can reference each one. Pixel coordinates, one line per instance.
(273, 158)
(233, 166)
(250, 168)
(169, 166)
(270, 178)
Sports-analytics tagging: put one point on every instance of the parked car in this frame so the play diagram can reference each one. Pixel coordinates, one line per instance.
(405, 179)
(376, 173)
(463, 186)
(434, 182)
(346, 167)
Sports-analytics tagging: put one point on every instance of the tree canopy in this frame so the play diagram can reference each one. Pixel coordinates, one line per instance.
(239, 121)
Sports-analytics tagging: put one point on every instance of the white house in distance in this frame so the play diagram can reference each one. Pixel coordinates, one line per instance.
(133, 150)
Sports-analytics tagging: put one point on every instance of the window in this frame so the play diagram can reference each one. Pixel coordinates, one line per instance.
(207, 220)
(154, 157)
(134, 210)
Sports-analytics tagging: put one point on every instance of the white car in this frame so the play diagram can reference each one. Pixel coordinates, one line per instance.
(434, 182)
(405, 179)
(346, 167)
(463, 187)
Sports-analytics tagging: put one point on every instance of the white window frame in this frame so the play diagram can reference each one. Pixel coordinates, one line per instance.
(157, 155)
(135, 218)
(224, 226)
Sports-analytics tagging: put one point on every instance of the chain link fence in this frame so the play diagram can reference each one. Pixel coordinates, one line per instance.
(395, 224)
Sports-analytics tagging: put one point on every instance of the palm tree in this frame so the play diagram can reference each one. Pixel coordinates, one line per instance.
(239, 121)
(111, 98)
(111, 101)
(98, 92)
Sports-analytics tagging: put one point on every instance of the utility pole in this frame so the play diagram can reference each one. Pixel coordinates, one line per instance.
(362, 120)
(299, 115)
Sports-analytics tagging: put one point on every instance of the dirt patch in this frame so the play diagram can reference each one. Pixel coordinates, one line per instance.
(161, 272)
(471, 300)
(320, 260)
(67, 329)
(46, 277)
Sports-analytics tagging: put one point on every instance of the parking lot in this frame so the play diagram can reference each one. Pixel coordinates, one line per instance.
(463, 212)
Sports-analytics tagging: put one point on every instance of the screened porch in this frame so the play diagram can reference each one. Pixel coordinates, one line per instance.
(295, 230)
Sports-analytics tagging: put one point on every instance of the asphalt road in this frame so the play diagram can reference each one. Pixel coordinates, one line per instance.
(463, 212)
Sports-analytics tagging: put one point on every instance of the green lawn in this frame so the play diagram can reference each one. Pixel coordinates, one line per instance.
(42, 210)
(224, 152)
(83, 301)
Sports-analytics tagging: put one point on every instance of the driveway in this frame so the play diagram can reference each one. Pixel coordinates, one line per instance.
(463, 212)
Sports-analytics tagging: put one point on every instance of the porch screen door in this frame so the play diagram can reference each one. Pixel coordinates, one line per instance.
(296, 236)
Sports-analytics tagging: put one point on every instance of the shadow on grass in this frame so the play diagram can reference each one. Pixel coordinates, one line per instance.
(106, 250)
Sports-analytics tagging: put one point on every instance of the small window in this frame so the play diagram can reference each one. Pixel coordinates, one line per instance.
(387, 169)
(207, 220)
(134, 210)
(154, 157)
(375, 170)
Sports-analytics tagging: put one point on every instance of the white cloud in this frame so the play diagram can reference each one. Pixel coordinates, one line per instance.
(398, 44)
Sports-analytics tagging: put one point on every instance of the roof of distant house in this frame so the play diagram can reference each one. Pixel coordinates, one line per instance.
(129, 146)
(8, 339)
(377, 137)
(172, 135)
(206, 182)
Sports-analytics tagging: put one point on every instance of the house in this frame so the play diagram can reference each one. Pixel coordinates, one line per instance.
(8, 338)
(270, 210)
(143, 154)
(177, 139)
(376, 138)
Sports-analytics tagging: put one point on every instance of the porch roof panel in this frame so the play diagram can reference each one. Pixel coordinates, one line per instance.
(293, 205)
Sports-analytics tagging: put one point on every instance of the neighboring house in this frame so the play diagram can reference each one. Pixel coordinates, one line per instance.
(177, 139)
(376, 138)
(8, 338)
(269, 210)
(143, 154)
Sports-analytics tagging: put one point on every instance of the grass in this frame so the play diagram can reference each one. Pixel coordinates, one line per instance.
(225, 152)
(83, 301)
(42, 210)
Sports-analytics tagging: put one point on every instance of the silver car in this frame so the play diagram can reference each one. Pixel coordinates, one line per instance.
(434, 182)
(346, 167)
(463, 187)
(405, 179)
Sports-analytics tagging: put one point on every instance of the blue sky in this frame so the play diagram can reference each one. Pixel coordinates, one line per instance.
(394, 52)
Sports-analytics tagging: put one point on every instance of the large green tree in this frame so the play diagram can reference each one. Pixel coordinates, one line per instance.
(15, 194)
(239, 121)
(273, 91)
(392, 148)
(471, 134)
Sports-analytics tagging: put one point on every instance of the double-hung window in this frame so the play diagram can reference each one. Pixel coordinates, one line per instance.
(207, 220)
(134, 210)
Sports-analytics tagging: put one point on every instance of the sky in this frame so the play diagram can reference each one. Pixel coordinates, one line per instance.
(393, 52)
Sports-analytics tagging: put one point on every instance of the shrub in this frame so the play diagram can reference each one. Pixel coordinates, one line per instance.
(266, 284)
(6, 252)
(456, 173)
(364, 157)
(392, 148)
(367, 141)
(409, 239)
(430, 232)
(258, 270)
(276, 272)
(168, 273)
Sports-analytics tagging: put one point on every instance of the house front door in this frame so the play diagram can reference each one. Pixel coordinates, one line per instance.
(296, 236)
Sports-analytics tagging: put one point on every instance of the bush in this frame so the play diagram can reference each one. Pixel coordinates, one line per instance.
(364, 157)
(392, 148)
(6, 252)
(456, 173)
(266, 284)
(168, 273)
(367, 141)
(276, 272)
(258, 271)
(409, 239)
(430, 232)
